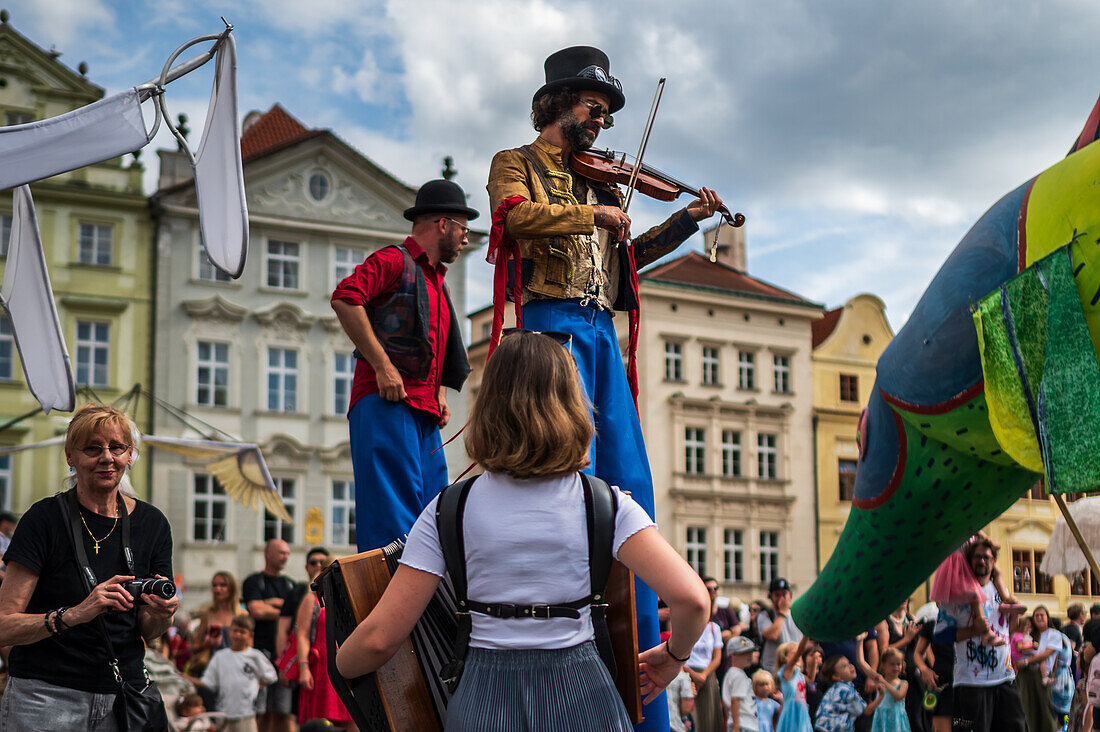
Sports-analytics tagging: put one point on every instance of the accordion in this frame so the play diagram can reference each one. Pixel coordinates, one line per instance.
(406, 692)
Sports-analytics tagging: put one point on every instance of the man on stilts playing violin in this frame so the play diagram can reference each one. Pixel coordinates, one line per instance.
(565, 231)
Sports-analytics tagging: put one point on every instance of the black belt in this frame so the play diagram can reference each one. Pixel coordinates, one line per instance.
(542, 612)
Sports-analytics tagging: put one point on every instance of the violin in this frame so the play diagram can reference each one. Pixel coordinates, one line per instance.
(608, 166)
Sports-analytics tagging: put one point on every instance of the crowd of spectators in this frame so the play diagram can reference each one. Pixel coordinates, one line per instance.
(752, 670)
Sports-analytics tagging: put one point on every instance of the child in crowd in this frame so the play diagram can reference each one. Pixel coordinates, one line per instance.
(955, 583)
(795, 716)
(767, 709)
(236, 675)
(192, 715)
(680, 694)
(842, 704)
(891, 715)
(738, 702)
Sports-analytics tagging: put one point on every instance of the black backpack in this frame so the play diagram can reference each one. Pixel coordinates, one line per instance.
(600, 505)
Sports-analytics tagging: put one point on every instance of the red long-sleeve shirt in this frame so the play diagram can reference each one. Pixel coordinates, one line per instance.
(371, 284)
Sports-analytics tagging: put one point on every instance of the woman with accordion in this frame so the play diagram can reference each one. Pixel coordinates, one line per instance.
(533, 661)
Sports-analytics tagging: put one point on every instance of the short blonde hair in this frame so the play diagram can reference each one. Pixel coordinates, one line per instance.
(90, 419)
(763, 676)
(784, 652)
(530, 417)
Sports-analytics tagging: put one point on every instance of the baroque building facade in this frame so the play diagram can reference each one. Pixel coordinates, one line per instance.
(263, 358)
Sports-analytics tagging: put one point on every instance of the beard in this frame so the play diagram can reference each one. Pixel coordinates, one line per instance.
(450, 247)
(580, 136)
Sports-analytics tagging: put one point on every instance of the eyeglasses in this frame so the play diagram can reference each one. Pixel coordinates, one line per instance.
(596, 111)
(599, 74)
(115, 449)
(316, 562)
(465, 229)
(565, 340)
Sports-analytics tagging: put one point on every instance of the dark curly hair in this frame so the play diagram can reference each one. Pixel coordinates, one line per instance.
(546, 109)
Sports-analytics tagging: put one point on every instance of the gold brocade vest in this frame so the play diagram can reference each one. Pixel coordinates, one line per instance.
(581, 267)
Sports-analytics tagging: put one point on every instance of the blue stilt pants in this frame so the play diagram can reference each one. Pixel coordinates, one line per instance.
(397, 468)
(618, 452)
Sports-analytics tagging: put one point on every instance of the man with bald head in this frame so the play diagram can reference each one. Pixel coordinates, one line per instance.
(264, 594)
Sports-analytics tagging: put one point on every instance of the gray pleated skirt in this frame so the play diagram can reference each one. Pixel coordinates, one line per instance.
(537, 690)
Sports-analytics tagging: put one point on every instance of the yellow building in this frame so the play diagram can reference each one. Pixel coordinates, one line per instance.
(847, 343)
(97, 239)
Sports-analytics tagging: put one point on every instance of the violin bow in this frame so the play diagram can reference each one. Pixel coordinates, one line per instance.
(645, 141)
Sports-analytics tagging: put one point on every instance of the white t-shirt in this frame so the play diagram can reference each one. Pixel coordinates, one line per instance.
(737, 686)
(1051, 638)
(678, 689)
(702, 653)
(526, 543)
(977, 664)
(237, 676)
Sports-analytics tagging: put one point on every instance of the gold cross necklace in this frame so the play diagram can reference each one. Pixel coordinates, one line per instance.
(96, 547)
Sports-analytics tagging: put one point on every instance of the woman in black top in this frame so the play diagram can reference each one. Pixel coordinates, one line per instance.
(61, 676)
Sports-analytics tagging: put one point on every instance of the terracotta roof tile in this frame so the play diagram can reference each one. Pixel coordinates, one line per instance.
(823, 328)
(275, 128)
(696, 270)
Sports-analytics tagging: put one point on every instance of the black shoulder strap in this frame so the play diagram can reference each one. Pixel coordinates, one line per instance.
(448, 524)
(600, 506)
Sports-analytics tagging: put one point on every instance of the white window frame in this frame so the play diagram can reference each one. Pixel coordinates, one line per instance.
(97, 248)
(712, 365)
(342, 512)
(281, 395)
(212, 366)
(733, 555)
(767, 456)
(341, 381)
(283, 269)
(781, 373)
(746, 370)
(769, 556)
(273, 527)
(207, 272)
(87, 350)
(674, 361)
(344, 262)
(211, 495)
(695, 548)
(733, 465)
(695, 450)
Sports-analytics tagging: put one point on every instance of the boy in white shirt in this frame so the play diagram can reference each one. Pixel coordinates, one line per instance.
(738, 700)
(236, 674)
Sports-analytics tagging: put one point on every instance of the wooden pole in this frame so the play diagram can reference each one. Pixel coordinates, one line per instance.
(1077, 535)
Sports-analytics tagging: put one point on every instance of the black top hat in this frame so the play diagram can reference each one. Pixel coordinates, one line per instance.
(582, 67)
(440, 196)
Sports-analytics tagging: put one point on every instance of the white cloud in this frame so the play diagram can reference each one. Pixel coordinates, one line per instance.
(61, 22)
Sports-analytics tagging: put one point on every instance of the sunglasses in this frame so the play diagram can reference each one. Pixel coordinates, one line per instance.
(565, 340)
(316, 562)
(114, 448)
(596, 111)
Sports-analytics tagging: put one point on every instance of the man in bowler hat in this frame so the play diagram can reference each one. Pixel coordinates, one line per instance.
(397, 312)
(574, 274)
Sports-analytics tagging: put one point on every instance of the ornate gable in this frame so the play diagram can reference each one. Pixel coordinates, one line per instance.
(214, 308)
(285, 317)
(319, 189)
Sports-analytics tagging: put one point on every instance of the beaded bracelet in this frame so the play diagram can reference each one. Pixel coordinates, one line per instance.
(59, 621)
(52, 626)
(668, 648)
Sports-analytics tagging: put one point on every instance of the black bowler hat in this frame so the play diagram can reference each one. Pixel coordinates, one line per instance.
(440, 196)
(582, 67)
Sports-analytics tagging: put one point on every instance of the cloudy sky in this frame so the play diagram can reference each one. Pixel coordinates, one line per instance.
(860, 139)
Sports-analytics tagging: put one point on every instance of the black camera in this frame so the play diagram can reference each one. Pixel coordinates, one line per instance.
(150, 586)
